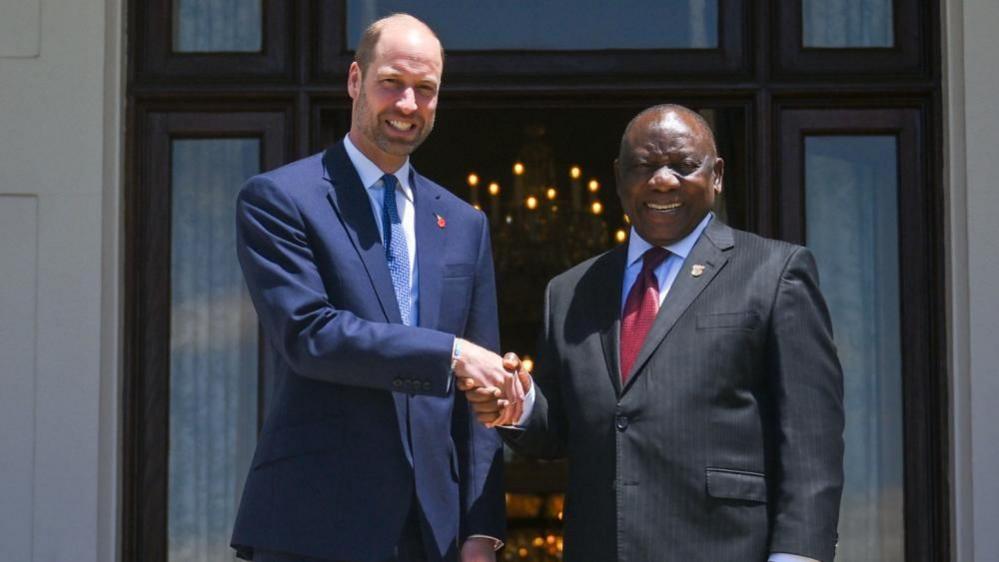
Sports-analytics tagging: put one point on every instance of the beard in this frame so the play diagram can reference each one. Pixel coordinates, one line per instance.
(371, 128)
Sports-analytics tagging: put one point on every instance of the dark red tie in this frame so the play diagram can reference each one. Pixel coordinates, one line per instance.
(640, 309)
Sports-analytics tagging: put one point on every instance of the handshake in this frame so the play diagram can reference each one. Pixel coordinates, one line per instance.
(494, 386)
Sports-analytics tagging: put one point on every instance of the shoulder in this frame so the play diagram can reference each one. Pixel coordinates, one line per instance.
(305, 176)
(593, 273)
(755, 248)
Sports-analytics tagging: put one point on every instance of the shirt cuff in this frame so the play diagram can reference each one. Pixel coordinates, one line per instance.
(782, 557)
(497, 544)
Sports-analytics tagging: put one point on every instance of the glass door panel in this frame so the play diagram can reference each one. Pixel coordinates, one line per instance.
(847, 23)
(206, 26)
(213, 349)
(549, 26)
(851, 218)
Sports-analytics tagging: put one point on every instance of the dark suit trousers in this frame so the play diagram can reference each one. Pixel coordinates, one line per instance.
(409, 548)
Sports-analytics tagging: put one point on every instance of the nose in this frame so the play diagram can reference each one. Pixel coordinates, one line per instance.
(407, 101)
(664, 179)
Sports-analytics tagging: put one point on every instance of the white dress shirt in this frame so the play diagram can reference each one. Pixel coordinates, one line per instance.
(666, 274)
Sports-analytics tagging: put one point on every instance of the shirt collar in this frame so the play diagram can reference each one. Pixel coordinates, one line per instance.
(371, 174)
(681, 248)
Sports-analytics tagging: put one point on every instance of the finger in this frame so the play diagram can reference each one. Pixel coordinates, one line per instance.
(525, 380)
(481, 394)
(510, 415)
(487, 407)
(511, 362)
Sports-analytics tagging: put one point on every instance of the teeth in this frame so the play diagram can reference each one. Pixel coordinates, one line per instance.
(402, 126)
(667, 207)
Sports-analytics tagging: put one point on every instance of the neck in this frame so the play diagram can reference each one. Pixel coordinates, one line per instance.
(388, 163)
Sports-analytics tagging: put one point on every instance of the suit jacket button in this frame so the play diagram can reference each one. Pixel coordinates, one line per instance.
(427, 386)
(396, 383)
(621, 422)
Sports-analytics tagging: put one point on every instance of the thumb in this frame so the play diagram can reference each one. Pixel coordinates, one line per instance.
(511, 362)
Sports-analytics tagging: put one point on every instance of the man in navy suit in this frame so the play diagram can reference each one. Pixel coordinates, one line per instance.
(374, 287)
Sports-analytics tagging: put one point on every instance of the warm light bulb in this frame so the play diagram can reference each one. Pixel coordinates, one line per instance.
(627, 219)
(477, 207)
(551, 194)
(597, 207)
(473, 180)
(575, 172)
(620, 235)
(494, 189)
(518, 168)
(532, 202)
(593, 186)
(527, 363)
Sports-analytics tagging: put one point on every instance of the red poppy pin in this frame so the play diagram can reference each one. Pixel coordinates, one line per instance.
(441, 223)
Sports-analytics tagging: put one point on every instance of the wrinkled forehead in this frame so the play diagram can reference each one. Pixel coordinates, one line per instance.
(669, 133)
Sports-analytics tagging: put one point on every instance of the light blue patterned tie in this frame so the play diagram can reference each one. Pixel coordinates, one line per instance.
(396, 252)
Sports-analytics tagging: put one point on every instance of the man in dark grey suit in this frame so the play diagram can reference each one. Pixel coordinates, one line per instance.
(689, 376)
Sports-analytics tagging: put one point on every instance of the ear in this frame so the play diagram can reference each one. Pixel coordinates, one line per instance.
(354, 80)
(719, 174)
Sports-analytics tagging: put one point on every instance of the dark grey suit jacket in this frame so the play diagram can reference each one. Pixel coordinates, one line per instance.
(726, 443)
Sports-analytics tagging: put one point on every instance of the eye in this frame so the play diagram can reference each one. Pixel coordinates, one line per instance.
(687, 167)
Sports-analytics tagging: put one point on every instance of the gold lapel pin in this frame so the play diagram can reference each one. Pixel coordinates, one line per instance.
(697, 270)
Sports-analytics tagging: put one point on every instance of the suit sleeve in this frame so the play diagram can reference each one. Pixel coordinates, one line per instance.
(318, 340)
(480, 451)
(544, 434)
(807, 383)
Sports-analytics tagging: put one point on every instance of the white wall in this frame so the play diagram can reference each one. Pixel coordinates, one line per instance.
(972, 120)
(59, 159)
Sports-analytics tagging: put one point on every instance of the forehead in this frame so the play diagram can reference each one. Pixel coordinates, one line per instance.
(668, 133)
(407, 48)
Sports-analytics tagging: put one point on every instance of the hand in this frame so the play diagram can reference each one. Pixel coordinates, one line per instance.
(488, 403)
(478, 549)
(479, 367)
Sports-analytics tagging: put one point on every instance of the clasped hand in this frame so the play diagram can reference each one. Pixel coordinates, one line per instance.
(494, 391)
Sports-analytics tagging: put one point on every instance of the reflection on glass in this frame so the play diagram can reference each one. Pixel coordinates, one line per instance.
(851, 191)
(211, 26)
(213, 349)
(847, 23)
(550, 26)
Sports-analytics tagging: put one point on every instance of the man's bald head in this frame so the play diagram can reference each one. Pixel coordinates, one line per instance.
(663, 112)
(369, 39)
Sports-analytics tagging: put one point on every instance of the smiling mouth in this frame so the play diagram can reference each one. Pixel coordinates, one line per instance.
(663, 208)
(400, 125)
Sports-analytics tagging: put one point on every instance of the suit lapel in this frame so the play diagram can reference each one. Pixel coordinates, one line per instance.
(709, 252)
(607, 311)
(351, 203)
(430, 246)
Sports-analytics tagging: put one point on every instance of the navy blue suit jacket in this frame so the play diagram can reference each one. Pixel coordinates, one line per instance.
(362, 415)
